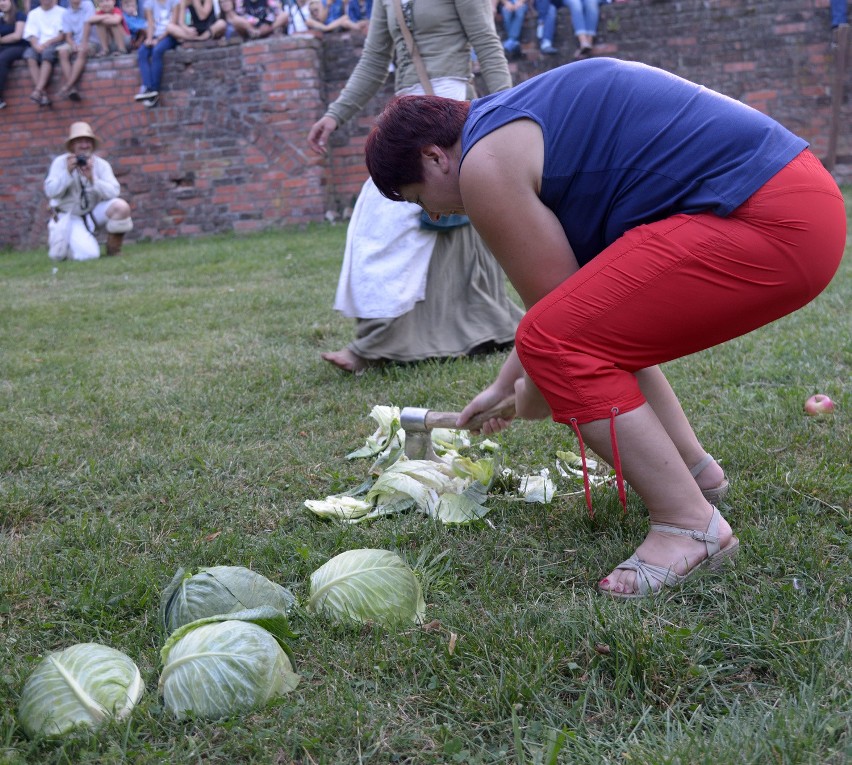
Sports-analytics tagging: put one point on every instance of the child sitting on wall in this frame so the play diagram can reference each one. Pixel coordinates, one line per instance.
(259, 18)
(200, 20)
(134, 17)
(111, 28)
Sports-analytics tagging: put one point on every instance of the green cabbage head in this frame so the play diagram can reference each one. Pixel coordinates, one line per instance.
(222, 665)
(367, 586)
(82, 685)
(218, 590)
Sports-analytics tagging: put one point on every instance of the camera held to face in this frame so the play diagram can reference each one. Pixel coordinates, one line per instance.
(82, 160)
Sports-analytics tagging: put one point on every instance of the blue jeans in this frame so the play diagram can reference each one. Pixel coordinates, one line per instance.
(546, 20)
(839, 13)
(513, 23)
(584, 16)
(151, 62)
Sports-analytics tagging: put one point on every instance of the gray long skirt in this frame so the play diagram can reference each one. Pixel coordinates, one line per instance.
(466, 306)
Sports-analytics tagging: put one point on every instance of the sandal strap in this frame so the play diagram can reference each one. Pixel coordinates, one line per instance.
(709, 537)
(650, 578)
(705, 461)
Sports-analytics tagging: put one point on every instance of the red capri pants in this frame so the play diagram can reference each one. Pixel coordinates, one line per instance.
(680, 285)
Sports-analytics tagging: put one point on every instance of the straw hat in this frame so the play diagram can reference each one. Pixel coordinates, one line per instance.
(80, 130)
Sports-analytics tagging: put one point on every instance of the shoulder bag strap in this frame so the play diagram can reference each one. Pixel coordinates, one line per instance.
(412, 49)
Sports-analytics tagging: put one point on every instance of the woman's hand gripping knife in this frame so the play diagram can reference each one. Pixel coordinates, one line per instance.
(525, 237)
(529, 403)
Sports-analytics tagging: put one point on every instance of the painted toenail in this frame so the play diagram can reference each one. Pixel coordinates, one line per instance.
(604, 581)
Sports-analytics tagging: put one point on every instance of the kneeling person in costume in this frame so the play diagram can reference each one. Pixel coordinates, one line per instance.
(83, 193)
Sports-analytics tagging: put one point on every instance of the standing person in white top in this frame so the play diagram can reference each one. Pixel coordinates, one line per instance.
(43, 31)
(83, 193)
(416, 293)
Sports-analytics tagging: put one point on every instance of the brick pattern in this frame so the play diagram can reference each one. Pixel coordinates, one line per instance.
(226, 150)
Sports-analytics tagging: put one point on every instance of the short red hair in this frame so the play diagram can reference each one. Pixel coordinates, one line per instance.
(407, 124)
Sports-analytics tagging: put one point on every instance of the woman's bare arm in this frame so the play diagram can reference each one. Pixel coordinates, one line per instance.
(500, 181)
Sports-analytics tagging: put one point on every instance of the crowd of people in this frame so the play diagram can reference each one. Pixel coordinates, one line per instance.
(70, 32)
(584, 19)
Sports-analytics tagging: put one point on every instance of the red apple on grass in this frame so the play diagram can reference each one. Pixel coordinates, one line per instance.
(818, 404)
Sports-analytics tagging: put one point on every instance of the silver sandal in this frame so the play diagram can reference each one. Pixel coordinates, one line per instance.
(652, 579)
(715, 494)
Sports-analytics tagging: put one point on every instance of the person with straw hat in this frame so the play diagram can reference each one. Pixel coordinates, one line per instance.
(83, 193)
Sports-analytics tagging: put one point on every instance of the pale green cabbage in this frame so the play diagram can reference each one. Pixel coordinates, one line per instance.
(367, 586)
(407, 483)
(216, 667)
(387, 442)
(537, 488)
(339, 506)
(481, 470)
(82, 685)
(569, 459)
(449, 440)
(218, 590)
(455, 509)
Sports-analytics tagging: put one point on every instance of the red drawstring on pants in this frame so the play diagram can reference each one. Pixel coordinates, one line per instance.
(619, 476)
(585, 469)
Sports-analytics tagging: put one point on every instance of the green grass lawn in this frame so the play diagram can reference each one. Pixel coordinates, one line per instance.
(169, 409)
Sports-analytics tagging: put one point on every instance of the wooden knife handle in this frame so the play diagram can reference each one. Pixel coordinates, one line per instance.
(505, 409)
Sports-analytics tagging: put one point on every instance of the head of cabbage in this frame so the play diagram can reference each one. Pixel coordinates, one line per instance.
(218, 590)
(221, 665)
(80, 686)
(367, 586)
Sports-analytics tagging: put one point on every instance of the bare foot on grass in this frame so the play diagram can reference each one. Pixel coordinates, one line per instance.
(346, 360)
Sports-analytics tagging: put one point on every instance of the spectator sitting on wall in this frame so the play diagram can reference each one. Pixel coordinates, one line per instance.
(83, 193)
(306, 16)
(80, 42)
(134, 18)
(338, 18)
(162, 18)
(111, 28)
(359, 11)
(546, 27)
(315, 15)
(43, 31)
(200, 20)
(839, 13)
(839, 22)
(584, 18)
(12, 43)
(259, 18)
(229, 14)
(513, 13)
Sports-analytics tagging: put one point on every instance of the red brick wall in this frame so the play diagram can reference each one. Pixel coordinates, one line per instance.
(226, 149)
